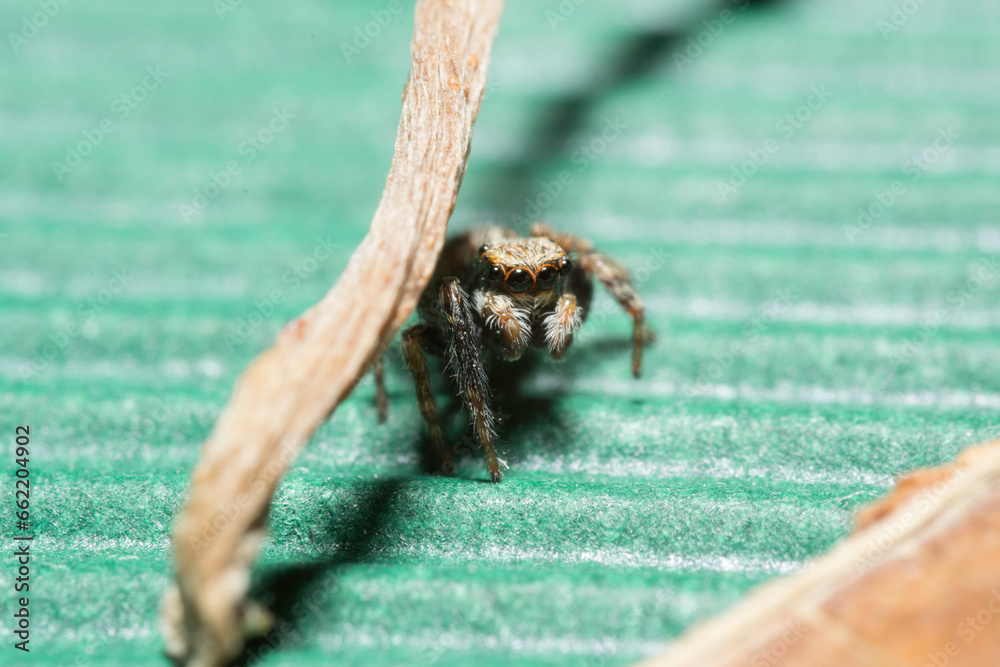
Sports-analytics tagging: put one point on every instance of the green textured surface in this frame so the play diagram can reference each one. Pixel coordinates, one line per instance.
(631, 509)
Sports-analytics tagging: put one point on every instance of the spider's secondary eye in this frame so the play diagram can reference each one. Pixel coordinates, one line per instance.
(565, 265)
(547, 277)
(483, 248)
(519, 280)
(495, 274)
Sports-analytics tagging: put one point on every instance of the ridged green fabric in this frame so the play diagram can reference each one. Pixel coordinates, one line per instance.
(804, 356)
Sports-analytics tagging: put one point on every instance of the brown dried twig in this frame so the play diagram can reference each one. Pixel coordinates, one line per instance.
(918, 584)
(290, 389)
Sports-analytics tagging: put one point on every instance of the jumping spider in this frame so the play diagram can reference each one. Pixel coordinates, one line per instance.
(524, 292)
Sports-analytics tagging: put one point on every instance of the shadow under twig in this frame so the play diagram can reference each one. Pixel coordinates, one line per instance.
(638, 55)
(296, 594)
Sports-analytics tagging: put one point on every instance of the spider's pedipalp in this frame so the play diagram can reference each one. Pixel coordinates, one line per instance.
(511, 324)
(561, 324)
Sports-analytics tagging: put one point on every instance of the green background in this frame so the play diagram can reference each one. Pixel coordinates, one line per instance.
(631, 509)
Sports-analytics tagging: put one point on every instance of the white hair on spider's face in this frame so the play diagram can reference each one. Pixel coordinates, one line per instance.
(520, 281)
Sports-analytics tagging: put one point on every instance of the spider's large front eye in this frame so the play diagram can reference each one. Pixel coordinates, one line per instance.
(565, 265)
(495, 274)
(547, 277)
(519, 280)
(483, 248)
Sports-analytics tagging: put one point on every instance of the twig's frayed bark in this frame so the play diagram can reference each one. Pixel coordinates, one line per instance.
(291, 388)
(918, 584)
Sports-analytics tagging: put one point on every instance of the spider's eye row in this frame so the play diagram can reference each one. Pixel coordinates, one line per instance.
(519, 280)
(565, 265)
(483, 248)
(547, 276)
(495, 274)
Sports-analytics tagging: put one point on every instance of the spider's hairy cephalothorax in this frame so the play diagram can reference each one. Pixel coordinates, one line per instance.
(523, 292)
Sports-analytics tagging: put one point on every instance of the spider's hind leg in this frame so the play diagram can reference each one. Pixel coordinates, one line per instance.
(413, 355)
(381, 398)
(465, 359)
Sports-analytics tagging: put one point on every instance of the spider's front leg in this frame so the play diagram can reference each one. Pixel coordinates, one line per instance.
(465, 358)
(615, 279)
